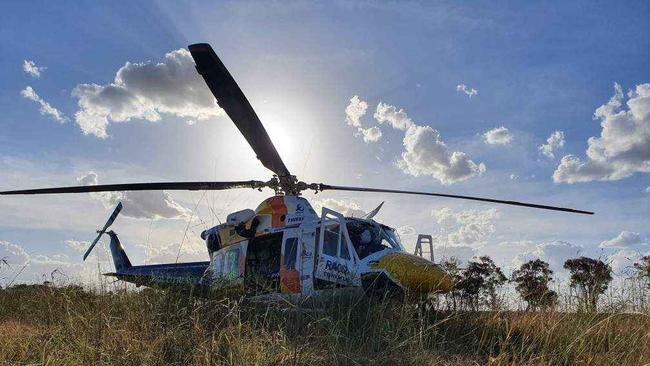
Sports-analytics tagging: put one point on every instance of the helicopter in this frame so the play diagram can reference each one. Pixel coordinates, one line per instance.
(283, 246)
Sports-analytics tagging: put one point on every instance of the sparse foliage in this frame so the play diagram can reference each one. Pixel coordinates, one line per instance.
(532, 280)
(590, 277)
(452, 267)
(643, 269)
(480, 281)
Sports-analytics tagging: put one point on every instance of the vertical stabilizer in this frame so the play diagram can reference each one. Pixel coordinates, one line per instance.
(120, 259)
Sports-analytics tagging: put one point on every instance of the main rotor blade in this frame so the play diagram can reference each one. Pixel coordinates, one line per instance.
(324, 187)
(233, 101)
(169, 186)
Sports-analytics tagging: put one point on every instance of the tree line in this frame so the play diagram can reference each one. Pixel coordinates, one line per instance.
(478, 283)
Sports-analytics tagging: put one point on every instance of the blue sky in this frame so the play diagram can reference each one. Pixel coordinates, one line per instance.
(537, 68)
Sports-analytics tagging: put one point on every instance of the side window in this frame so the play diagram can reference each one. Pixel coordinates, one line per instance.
(290, 253)
(231, 267)
(345, 253)
(331, 240)
(218, 264)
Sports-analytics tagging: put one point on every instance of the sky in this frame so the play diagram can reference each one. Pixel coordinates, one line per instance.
(539, 102)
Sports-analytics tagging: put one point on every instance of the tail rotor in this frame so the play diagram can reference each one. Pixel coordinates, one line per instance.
(101, 232)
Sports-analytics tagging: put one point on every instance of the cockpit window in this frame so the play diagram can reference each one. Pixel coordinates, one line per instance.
(370, 237)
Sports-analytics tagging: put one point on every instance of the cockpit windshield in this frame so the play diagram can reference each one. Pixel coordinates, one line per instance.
(369, 237)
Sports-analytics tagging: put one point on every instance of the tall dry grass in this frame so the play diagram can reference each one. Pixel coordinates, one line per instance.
(41, 325)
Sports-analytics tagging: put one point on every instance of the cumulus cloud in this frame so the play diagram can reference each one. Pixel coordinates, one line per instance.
(554, 142)
(77, 246)
(397, 118)
(191, 250)
(647, 190)
(467, 227)
(514, 176)
(30, 68)
(355, 110)
(626, 239)
(24, 267)
(470, 92)
(498, 136)
(555, 253)
(623, 147)
(45, 108)
(426, 154)
(622, 263)
(406, 230)
(138, 204)
(145, 91)
(372, 134)
(461, 253)
(346, 207)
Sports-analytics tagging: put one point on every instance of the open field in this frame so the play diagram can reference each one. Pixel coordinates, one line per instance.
(53, 326)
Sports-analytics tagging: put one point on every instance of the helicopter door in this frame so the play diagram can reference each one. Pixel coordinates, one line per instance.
(290, 262)
(337, 260)
(306, 256)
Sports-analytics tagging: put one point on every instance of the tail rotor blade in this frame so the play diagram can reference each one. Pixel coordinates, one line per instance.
(90, 248)
(109, 222)
(116, 212)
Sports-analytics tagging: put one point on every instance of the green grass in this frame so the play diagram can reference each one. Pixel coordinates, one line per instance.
(71, 326)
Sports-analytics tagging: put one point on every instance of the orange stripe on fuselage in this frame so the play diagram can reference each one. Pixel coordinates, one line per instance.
(279, 211)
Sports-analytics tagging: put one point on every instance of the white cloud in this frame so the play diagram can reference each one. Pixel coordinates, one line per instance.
(191, 250)
(467, 90)
(23, 267)
(353, 114)
(462, 253)
(45, 108)
(626, 239)
(390, 114)
(372, 134)
(514, 176)
(406, 230)
(355, 110)
(467, 227)
(30, 68)
(623, 147)
(554, 142)
(426, 154)
(424, 151)
(346, 207)
(555, 253)
(647, 190)
(498, 136)
(144, 91)
(138, 204)
(77, 246)
(622, 263)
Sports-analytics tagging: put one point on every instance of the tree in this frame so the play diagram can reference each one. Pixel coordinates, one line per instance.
(643, 269)
(452, 267)
(532, 280)
(480, 281)
(590, 277)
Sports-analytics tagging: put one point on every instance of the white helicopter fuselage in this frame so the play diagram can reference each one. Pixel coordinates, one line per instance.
(284, 247)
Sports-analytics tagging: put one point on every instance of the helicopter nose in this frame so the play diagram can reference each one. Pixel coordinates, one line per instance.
(416, 274)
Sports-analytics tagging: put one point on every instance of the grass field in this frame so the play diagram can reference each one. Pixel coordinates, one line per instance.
(42, 325)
